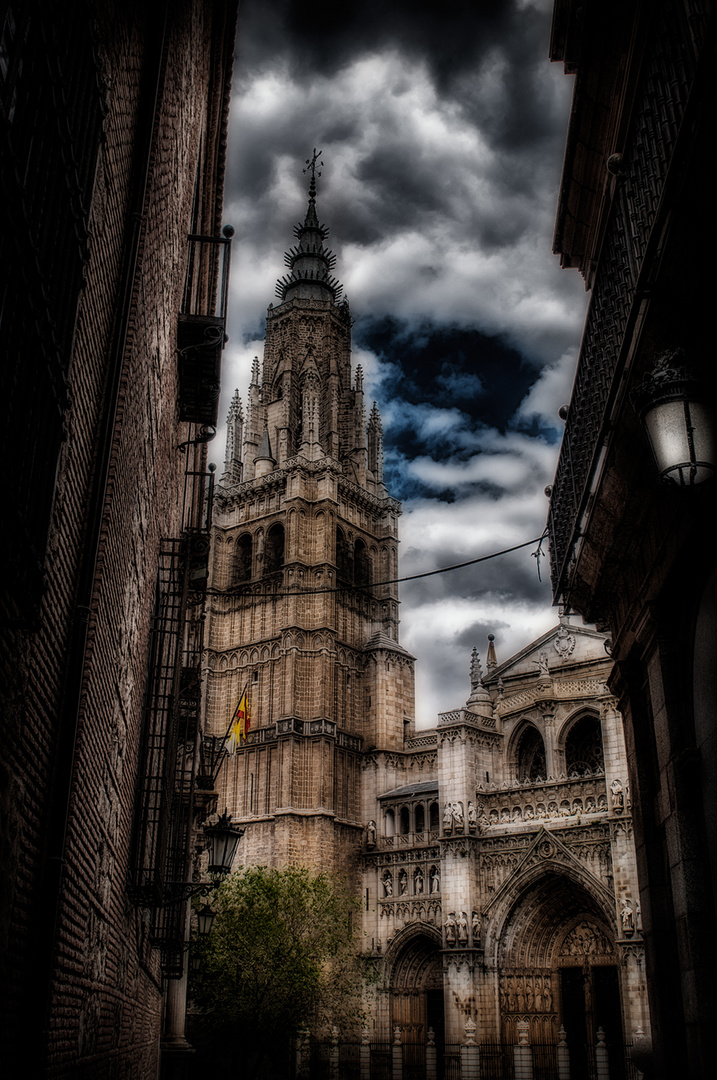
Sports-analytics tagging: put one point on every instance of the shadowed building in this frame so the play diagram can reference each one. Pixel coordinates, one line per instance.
(629, 553)
(112, 291)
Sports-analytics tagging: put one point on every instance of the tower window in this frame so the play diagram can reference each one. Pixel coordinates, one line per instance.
(362, 564)
(344, 557)
(243, 558)
(274, 549)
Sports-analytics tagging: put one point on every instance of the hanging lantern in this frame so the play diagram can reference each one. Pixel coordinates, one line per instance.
(680, 424)
(205, 920)
(223, 838)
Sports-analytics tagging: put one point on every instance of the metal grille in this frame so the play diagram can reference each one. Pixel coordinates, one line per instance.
(160, 727)
(659, 112)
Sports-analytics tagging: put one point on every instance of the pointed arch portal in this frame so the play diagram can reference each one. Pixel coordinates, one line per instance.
(416, 999)
(558, 965)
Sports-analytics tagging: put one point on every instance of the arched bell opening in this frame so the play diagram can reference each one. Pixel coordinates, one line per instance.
(558, 966)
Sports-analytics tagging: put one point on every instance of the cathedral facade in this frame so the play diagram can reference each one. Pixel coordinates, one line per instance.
(493, 854)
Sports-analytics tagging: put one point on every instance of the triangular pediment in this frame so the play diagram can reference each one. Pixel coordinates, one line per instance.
(547, 854)
(563, 645)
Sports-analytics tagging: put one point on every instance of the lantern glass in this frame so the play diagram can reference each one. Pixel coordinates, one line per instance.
(224, 838)
(681, 433)
(205, 920)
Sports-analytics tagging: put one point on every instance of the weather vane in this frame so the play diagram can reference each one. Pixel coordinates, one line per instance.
(313, 162)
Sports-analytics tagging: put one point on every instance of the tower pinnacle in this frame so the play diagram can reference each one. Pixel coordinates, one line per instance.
(310, 263)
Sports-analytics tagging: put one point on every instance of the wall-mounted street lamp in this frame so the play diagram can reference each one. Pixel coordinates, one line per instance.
(223, 839)
(205, 920)
(679, 422)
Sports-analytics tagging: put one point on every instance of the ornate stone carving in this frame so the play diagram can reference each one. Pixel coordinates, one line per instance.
(585, 940)
(564, 643)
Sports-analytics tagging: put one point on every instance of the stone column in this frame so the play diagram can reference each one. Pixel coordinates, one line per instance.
(523, 1053)
(334, 1056)
(431, 1058)
(365, 1066)
(397, 1055)
(563, 1055)
(470, 1062)
(601, 1059)
(303, 1055)
(176, 1053)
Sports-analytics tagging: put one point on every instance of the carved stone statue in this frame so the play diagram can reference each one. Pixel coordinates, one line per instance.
(451, 929)
(403, 882)
(418, 881)
(387, 882)
(617, 795)
(542, 664)
(627, 917)
(371, 834)
(463, 929)
(457, 816)
(447, 819)
(475, 927)
(435, 880)
(472, 817)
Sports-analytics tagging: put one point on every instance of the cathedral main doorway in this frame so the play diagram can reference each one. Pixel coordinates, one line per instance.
(558, 968)
(589, 1001)
(416, 995)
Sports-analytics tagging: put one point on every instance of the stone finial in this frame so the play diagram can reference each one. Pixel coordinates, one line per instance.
(479, 701)
(523, 1030)
(359, 379)
(255, 377)
(397, 1036)
(476, 671)
(490, 661)
(235, 438)
(470, 1029)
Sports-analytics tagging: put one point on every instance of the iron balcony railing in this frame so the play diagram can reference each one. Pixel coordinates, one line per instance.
(201, 331)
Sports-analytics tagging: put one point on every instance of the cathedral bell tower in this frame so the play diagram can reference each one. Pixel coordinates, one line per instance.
(305, 606)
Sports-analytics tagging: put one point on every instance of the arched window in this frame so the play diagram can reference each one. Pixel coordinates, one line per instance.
(344, 557)
(390, 826)
(434, 817)
(420, 818)
(362, 564)
(583, 747)
(243, 557)
(531, 756)
(405, 821)
(274, 549)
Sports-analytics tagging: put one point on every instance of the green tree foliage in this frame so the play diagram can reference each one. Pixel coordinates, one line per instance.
(282, 956)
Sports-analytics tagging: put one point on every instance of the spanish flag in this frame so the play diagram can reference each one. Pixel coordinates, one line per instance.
(239, 725)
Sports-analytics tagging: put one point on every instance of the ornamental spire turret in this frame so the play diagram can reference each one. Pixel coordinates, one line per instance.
(310, 263)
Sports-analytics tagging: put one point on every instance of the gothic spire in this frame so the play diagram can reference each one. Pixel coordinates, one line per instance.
(310, 263)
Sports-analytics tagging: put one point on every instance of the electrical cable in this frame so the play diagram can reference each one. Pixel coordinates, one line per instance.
(308, 591)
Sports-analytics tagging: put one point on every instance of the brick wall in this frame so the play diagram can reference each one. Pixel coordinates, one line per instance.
(105, 998)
